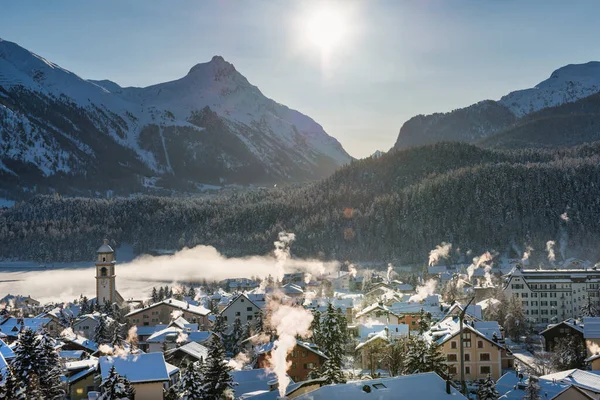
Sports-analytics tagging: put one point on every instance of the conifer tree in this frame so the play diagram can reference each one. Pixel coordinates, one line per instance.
(435, 360)
(170, 394)
(216, 372)
(117, 338)
(85, 306)
(235, 337)
(219, 326)
(192, 382)
(154, 296)
(161, 294)
(25, 362)
(424, 321)
(333, 346)
(315, 328)
(515, 321)
(192, 293)
(487, 390)
(101, 333)
(416, 355)
(588, 309)
(532, 391)
(116, 387)
(258, 322)
(10, 389)
(49, 368)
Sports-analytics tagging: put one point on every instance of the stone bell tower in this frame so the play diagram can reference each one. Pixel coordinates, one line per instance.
(106, 290)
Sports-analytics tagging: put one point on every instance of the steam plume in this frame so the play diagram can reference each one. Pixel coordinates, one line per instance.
(550, 249)
(527, 253)
(390, 271)
(424, 291)
(440, 251)
(352, 270)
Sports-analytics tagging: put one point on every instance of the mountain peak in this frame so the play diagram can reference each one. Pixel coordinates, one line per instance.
(217, 67)
(218, 59)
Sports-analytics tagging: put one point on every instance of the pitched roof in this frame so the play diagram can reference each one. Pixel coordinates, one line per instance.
(577, 377)
(381, 335)
(193, 349)
(236, 298)
(182, 305)
(426, 386)
(448, 328)
(267, 347)
(252, 380)
(145, 367)
(571, 323)
(591, 327)
(6, 351)
(374, 307)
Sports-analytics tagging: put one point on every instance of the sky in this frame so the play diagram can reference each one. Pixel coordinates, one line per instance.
(361, 74)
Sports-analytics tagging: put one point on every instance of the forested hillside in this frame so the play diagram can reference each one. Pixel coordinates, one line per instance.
(396, 207)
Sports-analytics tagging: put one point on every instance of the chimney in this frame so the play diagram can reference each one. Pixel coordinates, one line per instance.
(448, 387)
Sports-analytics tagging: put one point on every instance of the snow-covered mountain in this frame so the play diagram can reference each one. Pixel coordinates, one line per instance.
(211, 126)
(470, 124)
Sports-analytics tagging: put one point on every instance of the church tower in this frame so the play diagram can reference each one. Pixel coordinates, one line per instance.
(106, 290)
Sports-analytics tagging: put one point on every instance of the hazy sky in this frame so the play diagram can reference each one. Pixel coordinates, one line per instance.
(391, 60)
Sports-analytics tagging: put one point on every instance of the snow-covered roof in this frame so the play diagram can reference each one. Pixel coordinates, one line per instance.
(6, 351)
(11, 326)
(199, 336)
(571, 323)
(182, 305)
(426, 386)
(267, 347)
(105, 248)
(449, 327)
(75, 365)
(488, 329)
(374, 307)
(292, 289)
(577, 377)
(252, 380)
(145, 367)
(193, 349)
(472, 310)
(487, 303)
(365, 331)
(381, 335)
(163, 335)
(81, 341)
(591, 327)
(72, 354)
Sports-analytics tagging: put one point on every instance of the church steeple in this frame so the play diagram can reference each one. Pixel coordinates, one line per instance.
(105, 275)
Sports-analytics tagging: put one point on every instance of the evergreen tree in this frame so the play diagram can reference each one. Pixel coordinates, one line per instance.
(10, 389)
(217, 378)
(258, 322)
(435, 360)
(333, 346)
(192, 385)
(108, 309)
(532, 392)
(116, 387)
(192, 292)
(154, 296)
(515, 322)
(117, 337)
(235, 337)
(416, 355)
(49, 368)
(25, 362)
(569, 353)
(219, 326)
(161, 294)
(315, 328)
(487, 390)
(395, 357)
(101, 333)
(85, 306)
(589, 309)
(170, 394)
(424, 321)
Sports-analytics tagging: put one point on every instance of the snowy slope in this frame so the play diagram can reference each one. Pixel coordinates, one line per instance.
(565, 85)
(210, 126)
(483, 119)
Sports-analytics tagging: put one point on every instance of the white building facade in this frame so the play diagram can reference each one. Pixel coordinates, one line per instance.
(551, 296)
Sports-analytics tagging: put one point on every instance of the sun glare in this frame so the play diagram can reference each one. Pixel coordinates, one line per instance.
(326, 28)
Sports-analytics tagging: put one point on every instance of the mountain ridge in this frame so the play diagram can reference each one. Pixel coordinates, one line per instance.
(158, 123)
(565, 85)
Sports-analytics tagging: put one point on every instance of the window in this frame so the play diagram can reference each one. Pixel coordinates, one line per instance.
(241, 300)
(453, 345)
(103, 271)
(467, 357)
(248, 308)
(480, 344)
(103, 259)
(452, 369)
(379, 386)
(451, 357)
(468, 370)
(294, 353)
(304, 354)
(237, 313)
(484, 357)
(309, 365)
(466, 336)
(249, 318)
(485, 369)
(294, 365)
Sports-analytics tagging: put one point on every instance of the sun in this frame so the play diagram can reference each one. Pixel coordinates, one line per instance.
(326, 28)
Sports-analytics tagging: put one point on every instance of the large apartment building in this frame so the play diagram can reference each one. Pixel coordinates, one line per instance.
(553, 295)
